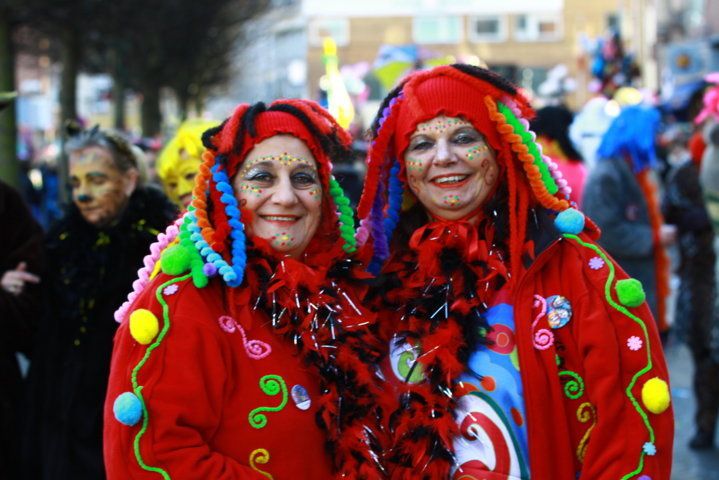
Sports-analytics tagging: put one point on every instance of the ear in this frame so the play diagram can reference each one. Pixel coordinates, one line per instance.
(130, 181)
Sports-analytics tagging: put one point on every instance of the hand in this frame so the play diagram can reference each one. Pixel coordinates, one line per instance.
(13, 281)
(667, 235)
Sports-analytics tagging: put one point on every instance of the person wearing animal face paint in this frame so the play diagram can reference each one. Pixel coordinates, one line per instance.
(180, 159)
(516, 348)
(93, 256)
(243, 351)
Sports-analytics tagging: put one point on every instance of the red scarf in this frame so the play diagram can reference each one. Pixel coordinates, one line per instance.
(445, 281)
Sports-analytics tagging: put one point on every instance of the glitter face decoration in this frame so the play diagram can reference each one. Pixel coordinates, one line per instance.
(450, 168)
(99, 189)
(279, 183)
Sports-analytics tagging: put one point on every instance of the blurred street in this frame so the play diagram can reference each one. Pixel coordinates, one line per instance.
(688, 464)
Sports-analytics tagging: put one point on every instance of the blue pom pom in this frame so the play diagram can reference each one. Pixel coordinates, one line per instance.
(570, 221)
(127, 409)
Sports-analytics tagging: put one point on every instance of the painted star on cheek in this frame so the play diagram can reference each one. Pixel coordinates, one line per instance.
(451, 200)
(283, 239)
(414, 165)
(315, 193)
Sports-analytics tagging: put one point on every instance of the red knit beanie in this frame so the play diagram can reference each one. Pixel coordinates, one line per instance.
(441, 94)
(268, 124)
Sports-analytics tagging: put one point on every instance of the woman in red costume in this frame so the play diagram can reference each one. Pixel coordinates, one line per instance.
(517, 348)
(244, 354)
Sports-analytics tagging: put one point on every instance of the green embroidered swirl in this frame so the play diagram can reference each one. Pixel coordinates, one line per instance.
(574, 388)
(270, 385)
(640, 322)
(137, 388)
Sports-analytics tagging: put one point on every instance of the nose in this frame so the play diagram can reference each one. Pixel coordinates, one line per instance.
(443, 155)
(283, 193)
(81, 194)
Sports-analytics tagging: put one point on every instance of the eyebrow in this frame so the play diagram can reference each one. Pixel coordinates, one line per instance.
(96, 175)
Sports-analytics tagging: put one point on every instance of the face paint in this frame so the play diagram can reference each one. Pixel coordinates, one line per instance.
(180, 180)
(285, 159)
(450, 168)
(414, 165)
(99, 189)
(283, 240)
(439, 125)
(279, 183)
(316, 193)
(248, 187)
(451, 200)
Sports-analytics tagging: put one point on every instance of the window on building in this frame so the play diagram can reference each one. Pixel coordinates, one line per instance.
(441, 30)
(337, 28)
(538, 26)
(488, 28)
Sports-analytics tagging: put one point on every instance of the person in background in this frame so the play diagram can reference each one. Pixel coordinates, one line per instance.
(552, 128)
(180, 159)
(21, 262)
(696, 321)
(93, 255)
(621, 197)
(515, 347)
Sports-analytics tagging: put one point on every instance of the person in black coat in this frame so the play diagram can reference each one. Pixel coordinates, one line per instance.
(21, 254)
(696, 321)
(94, 253)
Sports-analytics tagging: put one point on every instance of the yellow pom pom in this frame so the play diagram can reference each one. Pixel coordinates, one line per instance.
(655, 395)
(143, 326)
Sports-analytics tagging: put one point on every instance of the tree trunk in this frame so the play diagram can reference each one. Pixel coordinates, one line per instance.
(118, 95)
(70, 58)
(71, 52)
(183, 101)
(9, 169)
(199, 104)
(151, 116)
(119, 89)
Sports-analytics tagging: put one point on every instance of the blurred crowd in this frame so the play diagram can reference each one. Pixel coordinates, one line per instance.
(649, 182)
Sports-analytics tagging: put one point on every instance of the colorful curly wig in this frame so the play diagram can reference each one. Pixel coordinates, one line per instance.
(496, 109)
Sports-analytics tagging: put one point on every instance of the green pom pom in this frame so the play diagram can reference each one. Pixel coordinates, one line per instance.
(630, 292)
(175, 260)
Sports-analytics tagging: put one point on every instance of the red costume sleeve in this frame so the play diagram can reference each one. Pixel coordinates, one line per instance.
(620, 351)
(183, 384)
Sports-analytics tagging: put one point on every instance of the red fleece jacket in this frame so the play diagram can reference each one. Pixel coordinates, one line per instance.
(208, 415)
(596, 345)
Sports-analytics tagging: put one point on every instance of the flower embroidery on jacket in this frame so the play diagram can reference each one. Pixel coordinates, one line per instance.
(634, 343)
(595, 263)
(649, 448)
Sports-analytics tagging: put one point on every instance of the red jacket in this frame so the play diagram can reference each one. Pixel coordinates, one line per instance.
(596, 426)
(208, 417)
(614, 368)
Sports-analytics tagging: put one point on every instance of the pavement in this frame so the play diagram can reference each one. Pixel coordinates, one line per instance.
(688, 464)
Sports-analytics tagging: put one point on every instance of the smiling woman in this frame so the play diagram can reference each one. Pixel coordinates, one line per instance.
(253, 319)
(514, 346)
